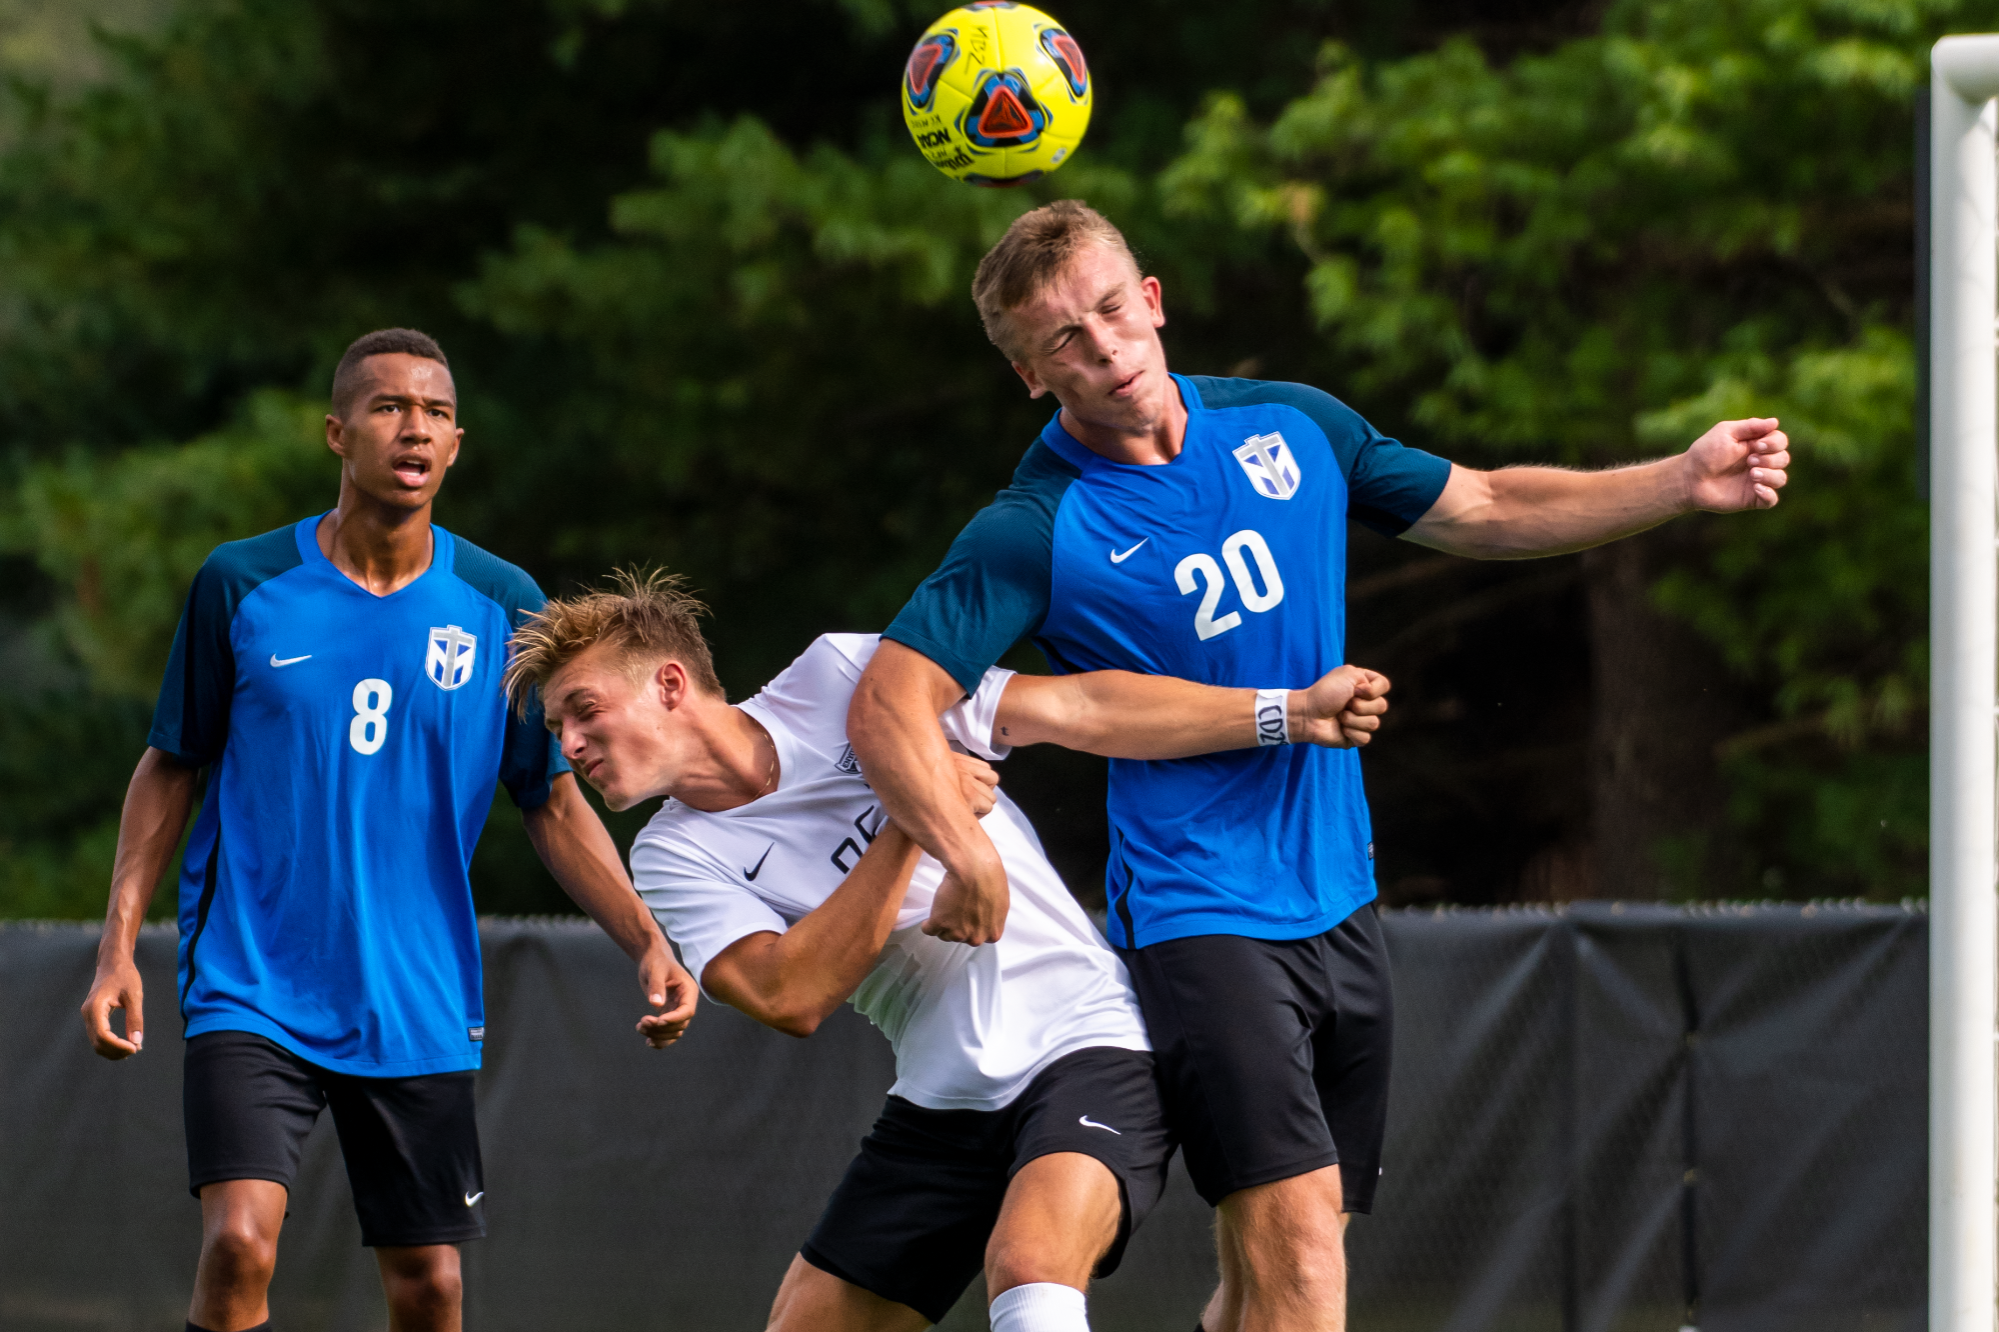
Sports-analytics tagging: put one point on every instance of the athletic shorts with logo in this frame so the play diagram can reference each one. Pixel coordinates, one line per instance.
(411, 1144)
(1273, 1055)
(911, 1219)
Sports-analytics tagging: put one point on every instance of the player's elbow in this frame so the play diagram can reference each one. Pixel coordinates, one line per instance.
(795, 1020)
(799, 1025)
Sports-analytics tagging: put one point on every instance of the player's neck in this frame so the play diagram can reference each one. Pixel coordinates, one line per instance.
(1143, 444)
(380, 547)
(733, 760)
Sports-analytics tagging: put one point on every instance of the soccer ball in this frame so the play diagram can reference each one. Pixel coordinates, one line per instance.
(996, 94)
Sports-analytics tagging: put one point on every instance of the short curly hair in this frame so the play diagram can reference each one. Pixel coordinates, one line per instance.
(647, 615)
(382, 342)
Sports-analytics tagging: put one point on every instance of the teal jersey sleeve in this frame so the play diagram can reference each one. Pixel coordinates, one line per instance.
(992, 590)
(191, 718)
(1389, 484)
(530, 759)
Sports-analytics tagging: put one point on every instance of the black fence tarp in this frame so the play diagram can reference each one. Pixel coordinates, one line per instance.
(1603, 1117)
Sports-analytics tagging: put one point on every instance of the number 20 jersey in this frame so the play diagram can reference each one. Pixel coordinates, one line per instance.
(1226, 565)
(352, 744)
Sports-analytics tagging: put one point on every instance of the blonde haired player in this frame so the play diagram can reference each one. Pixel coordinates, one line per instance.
(1024, 1129)
(1196, 526)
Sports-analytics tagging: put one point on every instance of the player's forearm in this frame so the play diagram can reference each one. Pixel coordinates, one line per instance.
(1119, 714)
(892, 724)
(573, 844)
(793, 981)
(1525, 512)
(157, 803)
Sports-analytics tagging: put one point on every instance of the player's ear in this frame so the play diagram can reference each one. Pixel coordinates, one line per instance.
(1155, 300)
(1035, 388)
(334, 439)
(671, 682)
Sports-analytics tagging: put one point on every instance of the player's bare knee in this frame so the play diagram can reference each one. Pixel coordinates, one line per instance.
(425, 1288)
(239, 1256)
(1021, 1259)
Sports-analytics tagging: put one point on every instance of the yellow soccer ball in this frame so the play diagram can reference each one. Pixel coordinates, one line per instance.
(996, 94)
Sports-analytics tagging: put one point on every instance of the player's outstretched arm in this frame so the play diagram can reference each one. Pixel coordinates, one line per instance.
(156, 808)
(1119, 714)
(1523, 512)
(892, 724)
(571, 841)
(793, 981)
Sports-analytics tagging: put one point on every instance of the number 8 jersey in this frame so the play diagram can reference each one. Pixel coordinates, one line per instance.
(1226, 565)
(352, 742)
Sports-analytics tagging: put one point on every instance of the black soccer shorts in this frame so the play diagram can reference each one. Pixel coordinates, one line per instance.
(411, 1144)
(911, 1219)
(1273, 1055)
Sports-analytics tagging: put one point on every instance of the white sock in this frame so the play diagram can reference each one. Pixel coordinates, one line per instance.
(1040, 1306)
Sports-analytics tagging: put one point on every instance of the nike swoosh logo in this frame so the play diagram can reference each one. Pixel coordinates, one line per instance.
(1120, 559)
(471, 1198)
(751, 874)
(289, 661)
(1085, 1120)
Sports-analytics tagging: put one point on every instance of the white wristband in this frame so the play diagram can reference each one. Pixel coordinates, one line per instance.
(1273, 717)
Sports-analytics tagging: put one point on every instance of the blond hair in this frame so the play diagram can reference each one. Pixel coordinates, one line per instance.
(1037, 247)
(647, 616)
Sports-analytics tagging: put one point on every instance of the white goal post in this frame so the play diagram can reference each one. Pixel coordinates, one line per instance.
(1964, 600)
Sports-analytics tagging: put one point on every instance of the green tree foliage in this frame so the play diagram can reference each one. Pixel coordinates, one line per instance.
(1596, 252)
(706, 306)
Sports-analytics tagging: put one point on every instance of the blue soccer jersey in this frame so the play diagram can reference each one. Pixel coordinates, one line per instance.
(1226, 565)
(352, 742)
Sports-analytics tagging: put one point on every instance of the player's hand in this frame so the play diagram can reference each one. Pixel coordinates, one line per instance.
(971, 906)
(979, 783)
(1738, 465)
(671, 991)
(117, 987)
(1342, 710)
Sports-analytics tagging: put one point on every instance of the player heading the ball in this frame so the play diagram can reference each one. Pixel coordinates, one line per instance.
(1196, 526)
(1024, 1129)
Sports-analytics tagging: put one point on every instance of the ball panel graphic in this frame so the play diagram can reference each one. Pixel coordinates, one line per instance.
(927, 63)
(996, 93)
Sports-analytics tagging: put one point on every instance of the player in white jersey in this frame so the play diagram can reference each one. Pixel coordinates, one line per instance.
(1024, 1128)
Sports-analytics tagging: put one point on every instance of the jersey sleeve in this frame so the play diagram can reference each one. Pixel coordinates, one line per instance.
(191, 718)
(530, 758)
(1389, 484)
(701, 914)
(992, 590)
(969, 722)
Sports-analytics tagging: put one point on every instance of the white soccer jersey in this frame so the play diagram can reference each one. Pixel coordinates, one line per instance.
(970, 1026)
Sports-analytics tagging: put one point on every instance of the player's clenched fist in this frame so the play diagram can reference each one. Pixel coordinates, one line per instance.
(979, 781)
(1738, 465)
(1342, 711)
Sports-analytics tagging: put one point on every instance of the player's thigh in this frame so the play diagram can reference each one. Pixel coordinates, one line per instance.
(247, 1105)
(411, 1147)
(1233, 1023)
(1091, 1148)
(909, 1220)
(813, 1300)
(1352, 1050)
(1061, 1216)
(1274, 1232)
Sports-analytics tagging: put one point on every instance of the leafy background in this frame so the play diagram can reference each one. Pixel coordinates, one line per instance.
(707, 307)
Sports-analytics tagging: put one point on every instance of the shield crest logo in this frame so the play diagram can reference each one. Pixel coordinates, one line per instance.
(449, 658)
(1267, 462)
